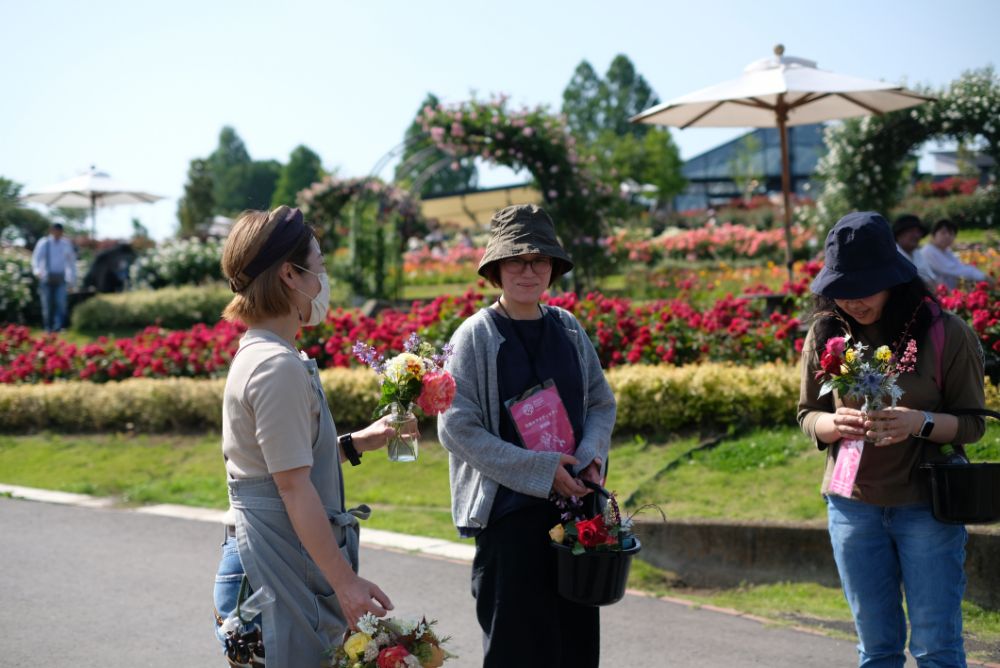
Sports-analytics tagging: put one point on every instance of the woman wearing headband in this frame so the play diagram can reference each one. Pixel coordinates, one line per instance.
(287, 528)
(515, 363)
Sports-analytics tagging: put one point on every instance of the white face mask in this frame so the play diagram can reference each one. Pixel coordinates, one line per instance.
(321, 302)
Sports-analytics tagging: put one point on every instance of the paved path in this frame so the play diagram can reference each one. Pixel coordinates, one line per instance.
(97, 587)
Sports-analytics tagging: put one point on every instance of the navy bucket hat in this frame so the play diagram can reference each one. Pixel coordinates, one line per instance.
(861, 259)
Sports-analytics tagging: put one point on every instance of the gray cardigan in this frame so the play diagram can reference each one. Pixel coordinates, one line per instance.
(479, 459)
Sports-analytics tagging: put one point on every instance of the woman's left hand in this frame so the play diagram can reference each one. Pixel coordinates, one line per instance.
(376, 435)
(892, 425)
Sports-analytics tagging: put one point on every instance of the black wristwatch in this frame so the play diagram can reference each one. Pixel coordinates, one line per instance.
(347, 445)
(927, 427)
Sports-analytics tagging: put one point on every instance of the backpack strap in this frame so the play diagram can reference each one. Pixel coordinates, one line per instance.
(937, 340)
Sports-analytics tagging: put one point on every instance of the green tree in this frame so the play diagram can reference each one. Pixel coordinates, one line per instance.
(598, 111)
(304, 168)
(425, 168)
(196, 206)
(17, 221)
(260, 181)
(229, 165)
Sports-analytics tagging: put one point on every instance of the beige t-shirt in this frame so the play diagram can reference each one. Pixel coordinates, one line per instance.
(270, 411)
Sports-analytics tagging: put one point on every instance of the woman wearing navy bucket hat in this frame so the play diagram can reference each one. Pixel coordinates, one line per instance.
(885, 539)
(510, 357)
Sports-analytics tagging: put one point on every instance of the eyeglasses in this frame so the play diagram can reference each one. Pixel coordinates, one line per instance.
(539, 265)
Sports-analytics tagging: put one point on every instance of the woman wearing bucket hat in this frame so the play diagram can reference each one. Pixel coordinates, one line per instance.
(885, 539)
(288, 531)
(515, 362)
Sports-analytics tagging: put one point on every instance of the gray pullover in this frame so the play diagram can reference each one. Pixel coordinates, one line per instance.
(479, 459)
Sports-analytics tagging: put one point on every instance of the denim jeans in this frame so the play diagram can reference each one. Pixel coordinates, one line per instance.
(227, 584)
(883, 553)
(53, 306)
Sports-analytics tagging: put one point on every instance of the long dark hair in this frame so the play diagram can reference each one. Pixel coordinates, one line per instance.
(906, 315)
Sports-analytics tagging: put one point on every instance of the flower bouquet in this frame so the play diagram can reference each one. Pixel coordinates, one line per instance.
(415, 376)
(390, 643)
(869, 382)
(860, 381)
(594, 548)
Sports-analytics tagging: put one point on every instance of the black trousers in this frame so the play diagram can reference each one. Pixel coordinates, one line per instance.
(525, 622)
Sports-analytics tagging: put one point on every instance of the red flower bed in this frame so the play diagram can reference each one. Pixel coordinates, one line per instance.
(665, 331)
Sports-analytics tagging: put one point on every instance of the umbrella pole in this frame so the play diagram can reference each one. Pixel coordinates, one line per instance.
(93, 217)
(786, 181)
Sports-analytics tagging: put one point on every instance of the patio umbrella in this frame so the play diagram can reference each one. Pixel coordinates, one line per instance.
(778, 92)
(89, 191)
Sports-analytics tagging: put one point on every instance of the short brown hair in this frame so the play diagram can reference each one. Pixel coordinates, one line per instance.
(266, 296)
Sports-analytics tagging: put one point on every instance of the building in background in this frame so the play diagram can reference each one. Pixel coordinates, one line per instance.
(473, 209)
(751, 164)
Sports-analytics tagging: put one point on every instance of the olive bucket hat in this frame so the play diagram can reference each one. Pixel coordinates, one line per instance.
(521, 229)
(861, 259)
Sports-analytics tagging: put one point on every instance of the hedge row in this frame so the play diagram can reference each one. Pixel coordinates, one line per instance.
(651, 399)
(172, 308)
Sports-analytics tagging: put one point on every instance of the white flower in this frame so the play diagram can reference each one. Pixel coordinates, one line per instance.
(368, 624)
(371, 651)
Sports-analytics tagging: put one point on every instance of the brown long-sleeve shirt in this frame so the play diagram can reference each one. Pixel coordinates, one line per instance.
(890, 475)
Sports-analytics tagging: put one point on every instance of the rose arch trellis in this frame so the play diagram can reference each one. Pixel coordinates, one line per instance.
(540, 142)
(865, 168)
(375, 219)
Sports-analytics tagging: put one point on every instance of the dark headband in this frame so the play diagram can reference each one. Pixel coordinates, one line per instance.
(284, 238)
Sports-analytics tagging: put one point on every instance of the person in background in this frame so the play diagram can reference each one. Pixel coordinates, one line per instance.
(886, 542)
(501, 485)
(909, 230)
(54, 264)
(937, 254)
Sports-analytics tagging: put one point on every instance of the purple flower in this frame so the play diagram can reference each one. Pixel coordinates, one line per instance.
(411, 343)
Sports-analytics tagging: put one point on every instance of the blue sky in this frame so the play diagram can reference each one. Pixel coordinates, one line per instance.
(140, 88)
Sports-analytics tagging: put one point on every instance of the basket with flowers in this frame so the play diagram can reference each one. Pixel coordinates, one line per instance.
(415, 377)
(390, 643)
(594, 547)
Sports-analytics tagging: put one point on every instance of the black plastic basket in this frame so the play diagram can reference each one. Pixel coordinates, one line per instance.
(594, 577)
(965, 493)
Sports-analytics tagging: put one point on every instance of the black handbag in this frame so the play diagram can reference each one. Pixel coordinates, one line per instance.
(965, 493)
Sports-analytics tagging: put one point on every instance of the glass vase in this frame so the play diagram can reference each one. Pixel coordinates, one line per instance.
(401, 447)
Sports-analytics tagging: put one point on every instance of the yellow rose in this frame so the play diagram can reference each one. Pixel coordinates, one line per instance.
(883, 354)
(355, 645)
(436, 659)
(849, 354)
(557, 534)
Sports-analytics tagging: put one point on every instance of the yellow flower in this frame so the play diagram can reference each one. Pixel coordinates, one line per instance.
(557, 534)
(883, 354)
(355, 645)
(404, 366)
(849, 354)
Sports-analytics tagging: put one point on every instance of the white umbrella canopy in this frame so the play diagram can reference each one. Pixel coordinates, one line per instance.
(89, 191)
(778, 92)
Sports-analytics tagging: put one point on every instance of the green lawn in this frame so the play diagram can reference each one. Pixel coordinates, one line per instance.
(765, 475)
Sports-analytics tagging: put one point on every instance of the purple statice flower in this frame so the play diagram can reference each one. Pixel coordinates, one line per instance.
(367, 354)
(446, 352)
(412, 342)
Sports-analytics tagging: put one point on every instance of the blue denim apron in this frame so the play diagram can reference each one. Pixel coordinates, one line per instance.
(306, 619)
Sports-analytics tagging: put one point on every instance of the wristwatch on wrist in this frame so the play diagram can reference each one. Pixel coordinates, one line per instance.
(347, 445)
(927, 427)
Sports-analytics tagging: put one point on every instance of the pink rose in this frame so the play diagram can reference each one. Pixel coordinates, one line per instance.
(437, 392)
(835, 346)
